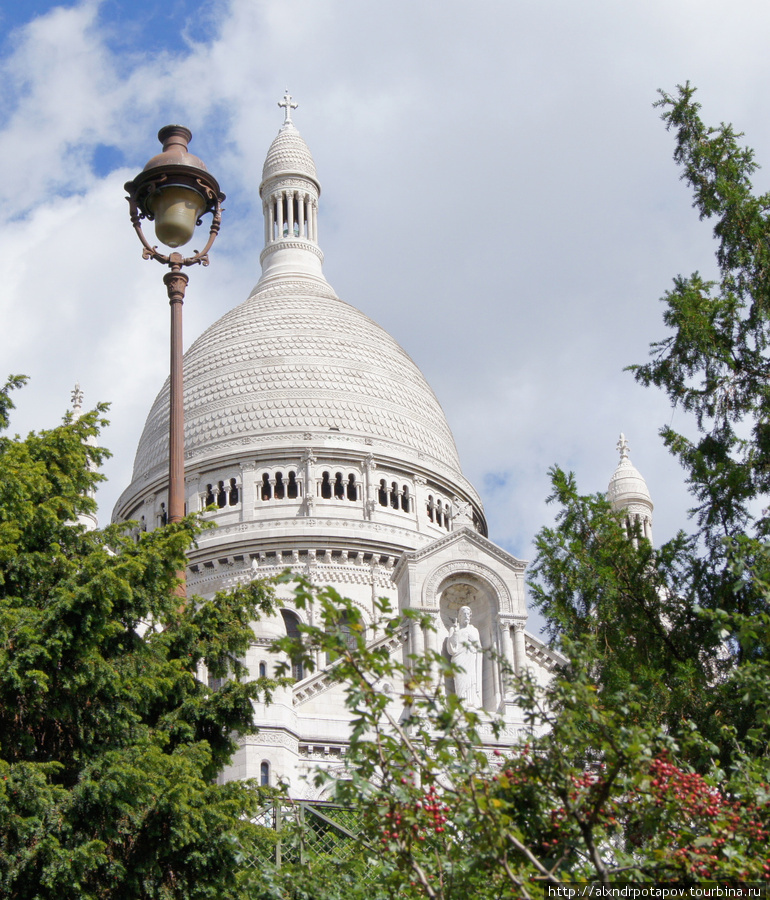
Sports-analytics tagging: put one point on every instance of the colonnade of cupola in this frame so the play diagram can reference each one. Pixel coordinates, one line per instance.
(290, 212)
(290, 192)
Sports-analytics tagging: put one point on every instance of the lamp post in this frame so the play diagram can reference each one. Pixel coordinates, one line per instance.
(175, 190)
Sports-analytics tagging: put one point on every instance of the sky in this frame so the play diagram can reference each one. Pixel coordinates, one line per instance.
(498, 193)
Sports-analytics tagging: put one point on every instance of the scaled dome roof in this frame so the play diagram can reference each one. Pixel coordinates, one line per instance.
(627, 484)
(295, 360)
(289, 155)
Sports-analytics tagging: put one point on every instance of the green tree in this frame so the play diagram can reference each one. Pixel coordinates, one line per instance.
(109, 745)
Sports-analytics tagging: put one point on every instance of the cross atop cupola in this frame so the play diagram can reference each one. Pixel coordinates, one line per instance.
(77, 401)
(623, 447)
(288, 105)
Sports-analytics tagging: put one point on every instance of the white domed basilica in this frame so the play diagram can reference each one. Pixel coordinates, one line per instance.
(324, 449)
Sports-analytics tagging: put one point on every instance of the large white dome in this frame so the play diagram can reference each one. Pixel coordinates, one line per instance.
(296, 363)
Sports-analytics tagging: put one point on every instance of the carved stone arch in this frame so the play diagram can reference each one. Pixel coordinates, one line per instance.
(325, 791)
(465, 583)
(433, 585)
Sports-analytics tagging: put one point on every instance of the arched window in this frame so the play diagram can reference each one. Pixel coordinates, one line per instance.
(326, 487)
(280, 487)
(352, 489)
(233, 492)
(262, 670)
(394, 495)
(339, 487)
(264, 774)
(163, 517)
(382, 494)
(267, 488)
(292, 489)
(209, 499)
(344, 626)
(221, 495)
(291, 623)
(430, 507)
(405, 498)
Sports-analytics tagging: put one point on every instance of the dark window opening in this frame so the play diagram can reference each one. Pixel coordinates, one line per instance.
(292, 489)
(221, 495)
(394, 495)
(233, 492)
(339, 487)
(264, 774)
(326, 487)
(383, 493)
(352, 490)
(280, 487)
(291, 623)
(267, 489)
(430, 507)
(262, 670)
(163, 514)
(405, 498)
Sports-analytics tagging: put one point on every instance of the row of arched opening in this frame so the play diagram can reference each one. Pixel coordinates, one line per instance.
(280, 487)
(439, 512)
(222, 494)
(394, 496)
(331, 486)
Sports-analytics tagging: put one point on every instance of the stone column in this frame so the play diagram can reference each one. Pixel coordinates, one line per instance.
(507, 648)
(290, 213)
(308, 461)
(519, 648)
(301, 214)
(419, 501)
(369, 467)
(416, 639)
(279, 208)
(191, 494)
(431, 646)
(248, 490)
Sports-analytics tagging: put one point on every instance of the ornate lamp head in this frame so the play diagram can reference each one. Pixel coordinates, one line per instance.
(175, 190)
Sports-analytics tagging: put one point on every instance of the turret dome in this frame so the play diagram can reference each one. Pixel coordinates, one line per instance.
(628, 491)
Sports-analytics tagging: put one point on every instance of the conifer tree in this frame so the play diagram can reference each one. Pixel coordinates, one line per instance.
(109, 744)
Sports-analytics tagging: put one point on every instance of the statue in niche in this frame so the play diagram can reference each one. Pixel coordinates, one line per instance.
(464, 649)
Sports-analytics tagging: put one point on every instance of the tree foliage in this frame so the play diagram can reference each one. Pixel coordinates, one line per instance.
(109, 745)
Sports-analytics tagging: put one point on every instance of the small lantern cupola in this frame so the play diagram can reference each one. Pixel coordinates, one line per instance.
(290, 192)
(628, 492)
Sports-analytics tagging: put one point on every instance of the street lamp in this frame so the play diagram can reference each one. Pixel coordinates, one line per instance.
(175, 190)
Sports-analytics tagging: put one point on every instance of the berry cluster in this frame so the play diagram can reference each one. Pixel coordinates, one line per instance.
(700, 807)
(417, 820)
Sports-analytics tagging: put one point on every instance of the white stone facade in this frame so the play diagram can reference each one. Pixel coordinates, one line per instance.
(325, 450)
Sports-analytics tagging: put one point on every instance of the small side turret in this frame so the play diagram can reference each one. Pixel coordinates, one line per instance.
(628, 492)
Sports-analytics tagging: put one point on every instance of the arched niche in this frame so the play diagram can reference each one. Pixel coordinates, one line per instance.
(455, 591)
